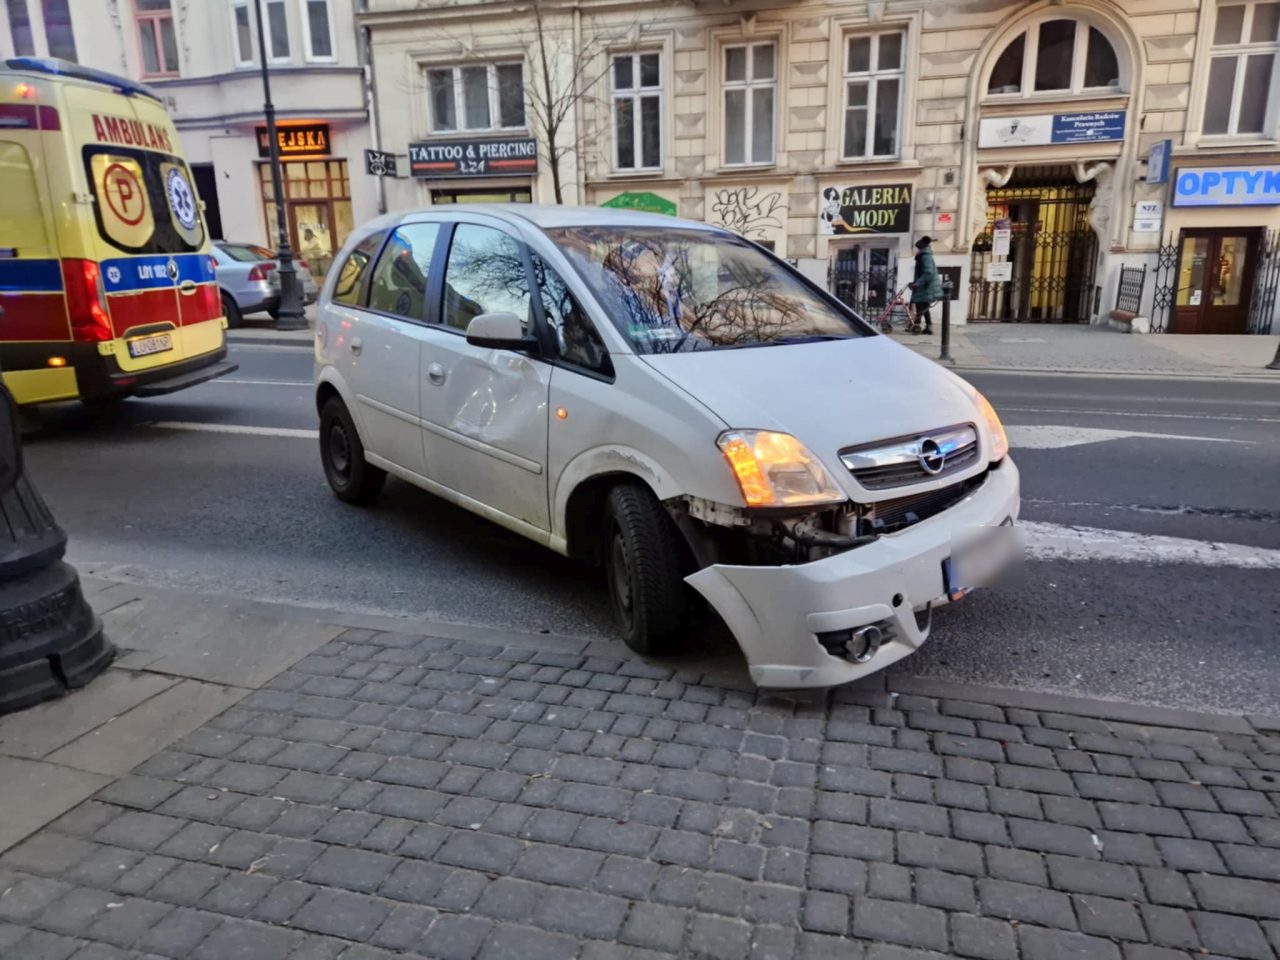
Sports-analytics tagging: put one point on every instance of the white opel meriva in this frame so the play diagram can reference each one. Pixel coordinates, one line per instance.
(670, 400)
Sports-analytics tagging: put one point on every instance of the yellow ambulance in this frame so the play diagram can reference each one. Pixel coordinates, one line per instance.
(107, 285)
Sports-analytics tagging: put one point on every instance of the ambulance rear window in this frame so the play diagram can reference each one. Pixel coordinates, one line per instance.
(144, 201)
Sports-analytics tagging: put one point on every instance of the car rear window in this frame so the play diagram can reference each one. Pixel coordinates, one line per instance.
(144, 201)
(246, 252)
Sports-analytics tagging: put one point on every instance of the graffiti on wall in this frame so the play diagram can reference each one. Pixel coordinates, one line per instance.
(750, 211)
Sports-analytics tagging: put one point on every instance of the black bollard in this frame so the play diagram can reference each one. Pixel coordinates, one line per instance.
(50, 639)
(945, 355)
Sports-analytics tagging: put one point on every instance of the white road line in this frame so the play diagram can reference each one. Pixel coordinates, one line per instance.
(1055, 437)
(1130, 413)
(262, 383)
(1052, 541)
(237, 428)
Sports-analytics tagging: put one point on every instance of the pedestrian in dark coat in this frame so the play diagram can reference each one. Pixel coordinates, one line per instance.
(926, 287)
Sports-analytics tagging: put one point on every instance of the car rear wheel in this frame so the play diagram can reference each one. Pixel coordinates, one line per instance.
(350, 476)
(643, 563)
(231, 311)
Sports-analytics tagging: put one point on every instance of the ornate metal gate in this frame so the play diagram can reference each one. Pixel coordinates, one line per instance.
(1052, 248)
(1262, 306)
(861, 283)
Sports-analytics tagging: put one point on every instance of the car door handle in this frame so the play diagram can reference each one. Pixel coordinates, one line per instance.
(436, 374)
(187, 287)
(356, 346)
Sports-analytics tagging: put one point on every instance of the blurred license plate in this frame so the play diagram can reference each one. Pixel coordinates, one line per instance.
(145, 346)
(979, 560)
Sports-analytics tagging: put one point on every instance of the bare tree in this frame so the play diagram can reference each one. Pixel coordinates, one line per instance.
(565, 75)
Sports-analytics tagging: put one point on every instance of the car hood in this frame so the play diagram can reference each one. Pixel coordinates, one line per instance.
(829, 394)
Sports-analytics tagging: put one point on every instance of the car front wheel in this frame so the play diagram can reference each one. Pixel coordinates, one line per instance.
(643, 563)
(350, 476)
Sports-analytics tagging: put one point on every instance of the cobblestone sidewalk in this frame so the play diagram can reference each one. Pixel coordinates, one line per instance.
(403, 796)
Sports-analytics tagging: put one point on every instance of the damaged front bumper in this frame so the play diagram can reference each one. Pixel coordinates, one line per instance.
(777, 612)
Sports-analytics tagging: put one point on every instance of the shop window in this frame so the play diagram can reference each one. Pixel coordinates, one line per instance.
(24, 44)
(317, 208)
(156, 39)
(57, 29)
(317, 27)
(1056, 56)
(873, 78)
(483, 195)
(241, 34)
(476, 97)
(637, 111)
(750, 96)
(1239, 99)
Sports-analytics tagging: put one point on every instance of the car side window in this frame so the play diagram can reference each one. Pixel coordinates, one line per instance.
(485, 274)
(399, 284)
(576, 337)
(346, 289)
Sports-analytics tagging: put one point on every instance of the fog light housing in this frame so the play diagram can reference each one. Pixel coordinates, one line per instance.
(858, 644)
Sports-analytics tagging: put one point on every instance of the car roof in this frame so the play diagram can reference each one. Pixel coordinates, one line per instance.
(550, 216)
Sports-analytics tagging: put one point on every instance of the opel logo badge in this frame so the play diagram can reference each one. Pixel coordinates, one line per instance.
(931, 457)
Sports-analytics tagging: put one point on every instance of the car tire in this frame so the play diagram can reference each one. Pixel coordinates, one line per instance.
(350, 476)
(231, 311)
(643, 563)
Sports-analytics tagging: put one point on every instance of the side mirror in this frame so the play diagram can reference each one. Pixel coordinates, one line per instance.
(500, 331)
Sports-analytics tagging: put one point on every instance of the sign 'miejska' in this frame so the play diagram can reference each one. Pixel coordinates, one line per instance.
(378, 163)
(876, 209)
(473, 158)
(302, 140)
(1227, 186)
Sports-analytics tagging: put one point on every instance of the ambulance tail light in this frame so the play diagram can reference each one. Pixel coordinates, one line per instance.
(89, 319)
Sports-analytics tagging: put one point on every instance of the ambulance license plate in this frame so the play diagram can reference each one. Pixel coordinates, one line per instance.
(146, 346)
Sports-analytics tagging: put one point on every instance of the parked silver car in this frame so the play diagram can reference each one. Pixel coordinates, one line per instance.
(249, 279)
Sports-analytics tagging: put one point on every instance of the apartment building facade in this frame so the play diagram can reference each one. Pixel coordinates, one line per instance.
(202, 58)
(1052, 149)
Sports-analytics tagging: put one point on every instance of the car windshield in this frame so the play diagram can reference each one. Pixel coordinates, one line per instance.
(246, 252)
(675, 291)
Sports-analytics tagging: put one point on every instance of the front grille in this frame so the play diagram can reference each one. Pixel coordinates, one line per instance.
(913, 459)
(901, 512)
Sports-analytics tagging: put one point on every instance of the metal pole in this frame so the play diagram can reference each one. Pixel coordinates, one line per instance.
(945, 355)
(289, 316)
(1275, 363)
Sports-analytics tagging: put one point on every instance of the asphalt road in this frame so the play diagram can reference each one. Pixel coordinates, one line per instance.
(248, 515)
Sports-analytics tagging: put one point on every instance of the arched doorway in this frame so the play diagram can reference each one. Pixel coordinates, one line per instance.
(1050, 250)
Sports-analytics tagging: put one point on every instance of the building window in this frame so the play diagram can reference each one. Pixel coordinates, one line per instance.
(317, 25)
(481, 97)
(242, 34)
(1246, 39)
(277, 29)
(872, 95)
(57, 29)
(750, 85)
(637, 111)
(156, 39)
(24, 44)
(1056, 56)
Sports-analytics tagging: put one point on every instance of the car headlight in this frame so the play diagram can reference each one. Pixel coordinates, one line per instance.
(776, 470)
(999, 440)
